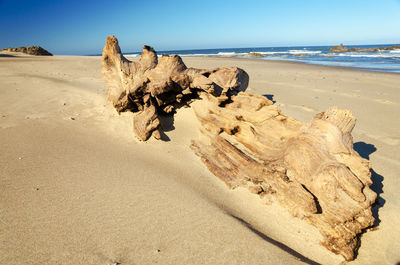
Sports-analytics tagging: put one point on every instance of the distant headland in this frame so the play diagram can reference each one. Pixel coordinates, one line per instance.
(32, 50)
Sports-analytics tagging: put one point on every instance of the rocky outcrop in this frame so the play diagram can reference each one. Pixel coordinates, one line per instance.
(341, 48)
(149, 87)
(376, 49)
(255, 54)
(32, 50)
(311, 168)
(337, 49)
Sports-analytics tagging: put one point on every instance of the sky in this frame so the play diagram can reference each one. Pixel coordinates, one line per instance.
(81, 27)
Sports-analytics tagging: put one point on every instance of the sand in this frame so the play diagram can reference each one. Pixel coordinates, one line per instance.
(77, 188)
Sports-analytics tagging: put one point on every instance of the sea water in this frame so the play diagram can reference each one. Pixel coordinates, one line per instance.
(386, 61)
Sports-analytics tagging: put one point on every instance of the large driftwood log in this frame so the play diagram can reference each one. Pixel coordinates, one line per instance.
(311, 168)
(149, 87)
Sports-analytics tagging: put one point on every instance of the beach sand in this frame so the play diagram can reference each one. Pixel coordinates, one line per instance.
(77, 188)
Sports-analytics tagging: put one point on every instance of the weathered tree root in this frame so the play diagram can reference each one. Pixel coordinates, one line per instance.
(150, 87)
(309, 168)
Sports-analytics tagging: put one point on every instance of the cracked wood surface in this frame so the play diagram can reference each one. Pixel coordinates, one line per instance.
(311, 168)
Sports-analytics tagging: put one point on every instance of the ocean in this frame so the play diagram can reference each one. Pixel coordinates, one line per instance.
(385, 61)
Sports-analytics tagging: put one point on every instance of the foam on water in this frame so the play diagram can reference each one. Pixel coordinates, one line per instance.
(194, 54)
(226, 53)
(231, 53)
(267, 53)
(367, 55)
(304, 52)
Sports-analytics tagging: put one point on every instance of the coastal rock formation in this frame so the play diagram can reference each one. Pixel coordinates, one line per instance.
(340, 48)
(32, 50)
(255, 54)
(311, 168)
(150, 87)
(376, 49)
(355, 49)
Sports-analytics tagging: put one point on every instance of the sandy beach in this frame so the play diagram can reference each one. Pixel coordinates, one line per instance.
(77, 188)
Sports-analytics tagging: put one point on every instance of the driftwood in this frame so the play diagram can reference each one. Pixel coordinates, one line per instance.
(149, 87)
(311, 168)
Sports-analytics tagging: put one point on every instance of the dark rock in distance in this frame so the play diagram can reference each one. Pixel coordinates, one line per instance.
(32, 50)
(339, 48)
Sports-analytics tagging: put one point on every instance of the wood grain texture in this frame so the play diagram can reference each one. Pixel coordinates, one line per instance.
(311, 168)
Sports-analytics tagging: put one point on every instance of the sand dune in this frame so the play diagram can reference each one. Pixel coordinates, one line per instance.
(77, 188)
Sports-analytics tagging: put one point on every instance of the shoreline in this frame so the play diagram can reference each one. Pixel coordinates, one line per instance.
(360, 69)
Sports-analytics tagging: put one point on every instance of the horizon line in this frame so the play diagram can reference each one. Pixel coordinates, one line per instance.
(204, 49)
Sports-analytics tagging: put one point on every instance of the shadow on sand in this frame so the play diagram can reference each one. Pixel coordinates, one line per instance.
(166, 125)
(276, 243)
(365, 150)
(7, 55)
(270, 97)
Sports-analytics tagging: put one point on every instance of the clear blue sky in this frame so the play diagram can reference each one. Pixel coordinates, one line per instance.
(80, 27)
